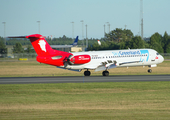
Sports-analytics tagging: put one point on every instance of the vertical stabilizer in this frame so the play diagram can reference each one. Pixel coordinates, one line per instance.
(75, 42)
(40, 45)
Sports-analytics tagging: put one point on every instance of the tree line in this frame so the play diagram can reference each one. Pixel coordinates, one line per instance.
(116, 39)
(54, 41)
(124, 39)
(18, 43)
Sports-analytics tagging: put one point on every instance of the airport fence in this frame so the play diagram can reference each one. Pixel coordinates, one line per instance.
(32, 57)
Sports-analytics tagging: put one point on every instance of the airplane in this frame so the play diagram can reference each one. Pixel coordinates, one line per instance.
(66, 46)
(92, 60)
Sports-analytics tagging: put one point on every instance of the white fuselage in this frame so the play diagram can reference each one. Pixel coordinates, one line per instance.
(121, 58)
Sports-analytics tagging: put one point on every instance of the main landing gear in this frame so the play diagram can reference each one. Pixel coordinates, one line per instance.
(104, 73)
(87, 73)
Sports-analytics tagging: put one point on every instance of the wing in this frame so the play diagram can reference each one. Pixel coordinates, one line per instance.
(76, 70)
(109, 65)
(129, 62)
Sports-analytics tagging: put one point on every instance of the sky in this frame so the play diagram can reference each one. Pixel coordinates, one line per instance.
(55, 16)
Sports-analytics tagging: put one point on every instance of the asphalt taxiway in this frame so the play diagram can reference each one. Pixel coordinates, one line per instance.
(83, 79)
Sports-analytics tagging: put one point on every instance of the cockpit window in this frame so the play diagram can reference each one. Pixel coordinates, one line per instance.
(157, 53)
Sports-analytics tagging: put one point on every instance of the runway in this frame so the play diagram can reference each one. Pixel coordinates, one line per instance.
(83, 79)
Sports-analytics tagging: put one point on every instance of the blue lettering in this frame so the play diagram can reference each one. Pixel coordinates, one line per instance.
(130, 53)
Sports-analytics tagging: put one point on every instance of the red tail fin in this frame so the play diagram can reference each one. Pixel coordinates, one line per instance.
(40, 45)
(44, 51)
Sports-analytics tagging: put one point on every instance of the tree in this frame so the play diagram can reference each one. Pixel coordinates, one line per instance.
(30, 49)
(96, 46)
(136, 43)
(155, 42)
(165, 42)
(3, 49)
(122, 45)
(156, 38)
(168, 45)
(168, 48)
(128, 34)
(119, 35)
(17, 48)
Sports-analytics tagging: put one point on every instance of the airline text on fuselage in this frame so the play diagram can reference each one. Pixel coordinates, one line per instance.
(120, 53)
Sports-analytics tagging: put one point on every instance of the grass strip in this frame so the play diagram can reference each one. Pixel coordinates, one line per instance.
(115, 100)
(35, 69)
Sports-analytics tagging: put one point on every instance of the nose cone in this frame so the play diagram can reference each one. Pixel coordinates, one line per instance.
(161, 59)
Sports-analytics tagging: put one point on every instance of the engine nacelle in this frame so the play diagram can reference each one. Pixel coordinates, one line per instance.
(79, 59)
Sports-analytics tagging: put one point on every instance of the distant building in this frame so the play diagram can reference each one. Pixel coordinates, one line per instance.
(70, 49)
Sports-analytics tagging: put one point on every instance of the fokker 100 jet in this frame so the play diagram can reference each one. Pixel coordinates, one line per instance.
(92, 60)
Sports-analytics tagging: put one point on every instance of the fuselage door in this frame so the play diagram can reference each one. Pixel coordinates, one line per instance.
(152, 56)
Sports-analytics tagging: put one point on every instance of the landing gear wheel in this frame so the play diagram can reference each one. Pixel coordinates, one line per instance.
(149, 70)
(87, 73)
(105, 73)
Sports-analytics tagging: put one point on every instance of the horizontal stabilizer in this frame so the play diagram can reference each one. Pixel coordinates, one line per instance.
(42, 48)
(18, 37)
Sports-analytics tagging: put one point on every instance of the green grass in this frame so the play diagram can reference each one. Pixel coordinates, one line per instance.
(118, 101)
(35, 69)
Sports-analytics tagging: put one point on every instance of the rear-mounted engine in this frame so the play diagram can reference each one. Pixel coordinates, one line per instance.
(79, 59)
